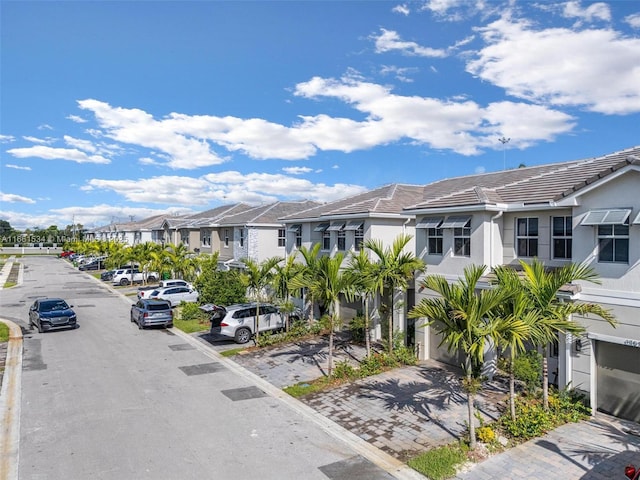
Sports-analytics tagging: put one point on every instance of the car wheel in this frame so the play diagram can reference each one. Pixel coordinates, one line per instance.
(151, 278)
(124, 282)
(131, 318)
(140, 327)
(243, 335)
(40, 329)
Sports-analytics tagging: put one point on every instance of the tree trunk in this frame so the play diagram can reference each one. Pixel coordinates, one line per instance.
(330, 358)
(367, 332)
(390, 339)
(545, 382)
(257, 322)
(472, 425)
(512, 392)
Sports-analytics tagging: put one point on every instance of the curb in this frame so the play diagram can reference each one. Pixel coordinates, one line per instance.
(10, 398)
(382, 459)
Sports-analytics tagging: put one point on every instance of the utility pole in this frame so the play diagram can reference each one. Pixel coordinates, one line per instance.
(504, 141)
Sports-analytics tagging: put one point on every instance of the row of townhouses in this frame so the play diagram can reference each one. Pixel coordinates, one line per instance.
(582, 211)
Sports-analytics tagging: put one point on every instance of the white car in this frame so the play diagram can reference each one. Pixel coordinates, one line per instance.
(237, 321)
(175, 295)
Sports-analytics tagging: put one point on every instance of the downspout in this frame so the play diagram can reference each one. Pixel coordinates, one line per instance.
(495, 217)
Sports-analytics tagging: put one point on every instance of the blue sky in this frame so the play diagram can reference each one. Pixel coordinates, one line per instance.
(118, 110)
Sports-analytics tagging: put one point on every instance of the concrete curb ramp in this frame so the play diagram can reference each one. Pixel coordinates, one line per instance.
(10, 397)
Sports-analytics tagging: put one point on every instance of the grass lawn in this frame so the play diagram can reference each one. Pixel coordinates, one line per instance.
(4, 332)
(190, 326)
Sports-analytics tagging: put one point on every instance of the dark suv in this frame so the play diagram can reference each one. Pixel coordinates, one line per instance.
(51, 313)
(152, 312)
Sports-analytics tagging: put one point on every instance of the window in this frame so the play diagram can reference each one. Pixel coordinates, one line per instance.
(326, 240)
(527, 237)
(299, 238)
(462, 240)
(282, 236)
(226, 237)
(242, 237)
(184, 237)
(613, 243)
(205, 238)
(359, 238)
(434, 241)
(562, 232)
(342, 240)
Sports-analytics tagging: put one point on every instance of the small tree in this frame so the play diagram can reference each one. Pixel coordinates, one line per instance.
(361, 272)
(392, 271)
(256, 278)
(462, 315)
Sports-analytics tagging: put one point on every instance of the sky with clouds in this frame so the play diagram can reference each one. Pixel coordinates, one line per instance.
(112, 111)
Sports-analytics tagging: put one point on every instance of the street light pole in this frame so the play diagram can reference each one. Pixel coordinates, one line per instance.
(504, 141)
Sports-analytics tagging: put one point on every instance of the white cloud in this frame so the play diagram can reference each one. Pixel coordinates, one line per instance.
(103, 214)
(401, 9)
(296, 170)
(229, 186)
(595, 11)
(50, 153)
(17, 167)
(462, 126)
(7, 138)
(45, 126)
(633, 20)
(400, 73)
(480, 169)
(593, 69)
(76, 119)
(80, 144)
(13, 198)
(41, 141)
(389, 41)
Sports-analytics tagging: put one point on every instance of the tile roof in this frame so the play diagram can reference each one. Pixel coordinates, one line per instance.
(543, 183)
(390, 198)
(267, 213)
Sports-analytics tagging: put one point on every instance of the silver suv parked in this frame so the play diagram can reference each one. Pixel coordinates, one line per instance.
(237, 321)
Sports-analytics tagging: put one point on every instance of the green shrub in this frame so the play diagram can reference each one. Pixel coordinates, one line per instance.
(4, 332)
(405, 355)
(356, 327)
(191, 311)
(344, 370)
(533, 421)
(528, 369)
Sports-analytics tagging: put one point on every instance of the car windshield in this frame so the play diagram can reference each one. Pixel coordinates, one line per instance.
(52, 305)
(158, 306)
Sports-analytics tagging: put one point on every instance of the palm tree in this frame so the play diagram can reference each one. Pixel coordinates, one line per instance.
(329, 283)
(257, 277)
(542, 287)
(178, 259)
(284, 286)
(360, 270)
(392, 271)
(516, 324)
(310, 257)
(462, 314)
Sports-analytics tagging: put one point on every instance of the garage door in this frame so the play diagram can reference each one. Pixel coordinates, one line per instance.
(618, 380)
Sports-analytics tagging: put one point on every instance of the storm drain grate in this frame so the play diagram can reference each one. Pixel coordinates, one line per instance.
(201, 369)
(181, 347)
(355, 468)
(244, 393)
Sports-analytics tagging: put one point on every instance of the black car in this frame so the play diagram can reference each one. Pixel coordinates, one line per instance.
(51, 313)
(92, 265)
(149, 312)
(107, 276)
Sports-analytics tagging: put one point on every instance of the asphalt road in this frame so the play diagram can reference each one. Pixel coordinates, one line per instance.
(109, 401)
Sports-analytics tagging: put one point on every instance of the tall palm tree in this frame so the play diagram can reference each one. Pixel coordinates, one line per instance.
(462, 315)
(178, 259)
(328, 284)
(516, 324)
(542, 287)
(360, 270)
(393, 270)
(257, 277)
(311, 258)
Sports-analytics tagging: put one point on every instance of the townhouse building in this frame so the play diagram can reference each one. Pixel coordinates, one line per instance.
(345, 225)
(584, 211)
